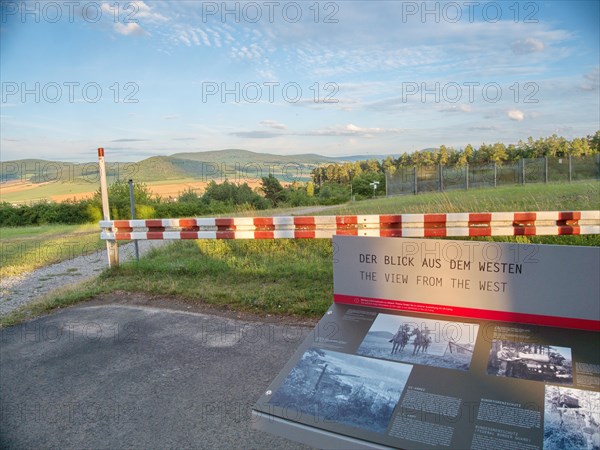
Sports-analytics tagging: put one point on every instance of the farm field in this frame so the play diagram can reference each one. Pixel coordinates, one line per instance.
(19, 192)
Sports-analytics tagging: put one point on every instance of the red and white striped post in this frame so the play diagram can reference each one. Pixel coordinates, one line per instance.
(112, 248)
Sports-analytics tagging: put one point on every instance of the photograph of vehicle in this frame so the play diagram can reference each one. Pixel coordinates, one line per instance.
(537, 362)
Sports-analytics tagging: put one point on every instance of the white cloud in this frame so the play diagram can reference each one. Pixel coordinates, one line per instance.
(515, 114)
(592, 82)
(183, 37)
(266, 74)
(273, 124)
(528, 45)
(456, 108)
(130, 29)
(252, 51)
(484, 128)
(132, 12)
(351, 130)
(255, 134)
(141, 10)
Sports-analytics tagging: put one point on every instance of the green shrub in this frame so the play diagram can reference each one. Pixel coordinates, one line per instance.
(331, 193)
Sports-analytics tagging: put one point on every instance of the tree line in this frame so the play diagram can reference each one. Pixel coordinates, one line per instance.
(553, 146)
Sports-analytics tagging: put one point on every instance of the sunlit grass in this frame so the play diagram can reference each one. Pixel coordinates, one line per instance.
(533, 197)
(28, 248)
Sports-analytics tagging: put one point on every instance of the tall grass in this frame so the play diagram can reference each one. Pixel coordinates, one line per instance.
(537, 197)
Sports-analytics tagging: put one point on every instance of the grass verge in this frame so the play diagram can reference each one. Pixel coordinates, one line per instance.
(292, 277)
(28, 248)
(532, 197)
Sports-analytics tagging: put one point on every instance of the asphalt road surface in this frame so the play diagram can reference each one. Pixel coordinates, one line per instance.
(120, 376)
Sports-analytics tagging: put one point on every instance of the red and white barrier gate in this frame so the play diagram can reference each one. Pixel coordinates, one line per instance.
(324, 227)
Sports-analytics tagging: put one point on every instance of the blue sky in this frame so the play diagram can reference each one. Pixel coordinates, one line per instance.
(334, 78)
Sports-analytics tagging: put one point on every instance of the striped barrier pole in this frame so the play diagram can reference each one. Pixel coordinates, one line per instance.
(112, 248)
(548, 223)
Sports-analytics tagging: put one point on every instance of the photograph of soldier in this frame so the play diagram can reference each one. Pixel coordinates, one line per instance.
(423, 341)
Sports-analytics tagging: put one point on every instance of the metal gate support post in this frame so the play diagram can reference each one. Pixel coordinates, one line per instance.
(112, 248)
(132, 209)
(570, 168)
(415, 179)
(495, 174)
(386, 185)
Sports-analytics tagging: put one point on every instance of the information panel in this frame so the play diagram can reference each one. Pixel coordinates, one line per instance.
(542, 284)
(373, 377)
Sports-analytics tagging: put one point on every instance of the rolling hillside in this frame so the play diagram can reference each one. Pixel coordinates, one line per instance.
(202, 165)
(37, 179)
(243, 157)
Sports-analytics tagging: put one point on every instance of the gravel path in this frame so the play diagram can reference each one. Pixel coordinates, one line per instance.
(25, 288)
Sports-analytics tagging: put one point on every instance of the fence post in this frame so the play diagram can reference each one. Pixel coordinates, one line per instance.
(570, 168)
(522, 170)
(112, 248)
(441, 183)
(132, 209)
(386, 184)
(467, 176)
(415, 179)
(495, 173)
(546, 169)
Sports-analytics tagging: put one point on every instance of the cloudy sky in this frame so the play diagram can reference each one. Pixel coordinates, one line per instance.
(334, 78)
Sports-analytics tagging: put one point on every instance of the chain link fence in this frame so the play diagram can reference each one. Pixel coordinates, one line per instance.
(413, 180)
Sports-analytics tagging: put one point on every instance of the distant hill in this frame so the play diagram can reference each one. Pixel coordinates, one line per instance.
(382, 334)
(39, 170)
(353, 158)
(229, 163)
(217, 164)
(243, 157)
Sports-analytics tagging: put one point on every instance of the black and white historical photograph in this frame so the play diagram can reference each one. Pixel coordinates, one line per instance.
(531, 361)
(414, 340)
(571, 419)
(343, 388)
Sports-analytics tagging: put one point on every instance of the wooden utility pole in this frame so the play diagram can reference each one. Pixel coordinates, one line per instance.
(112, 248)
